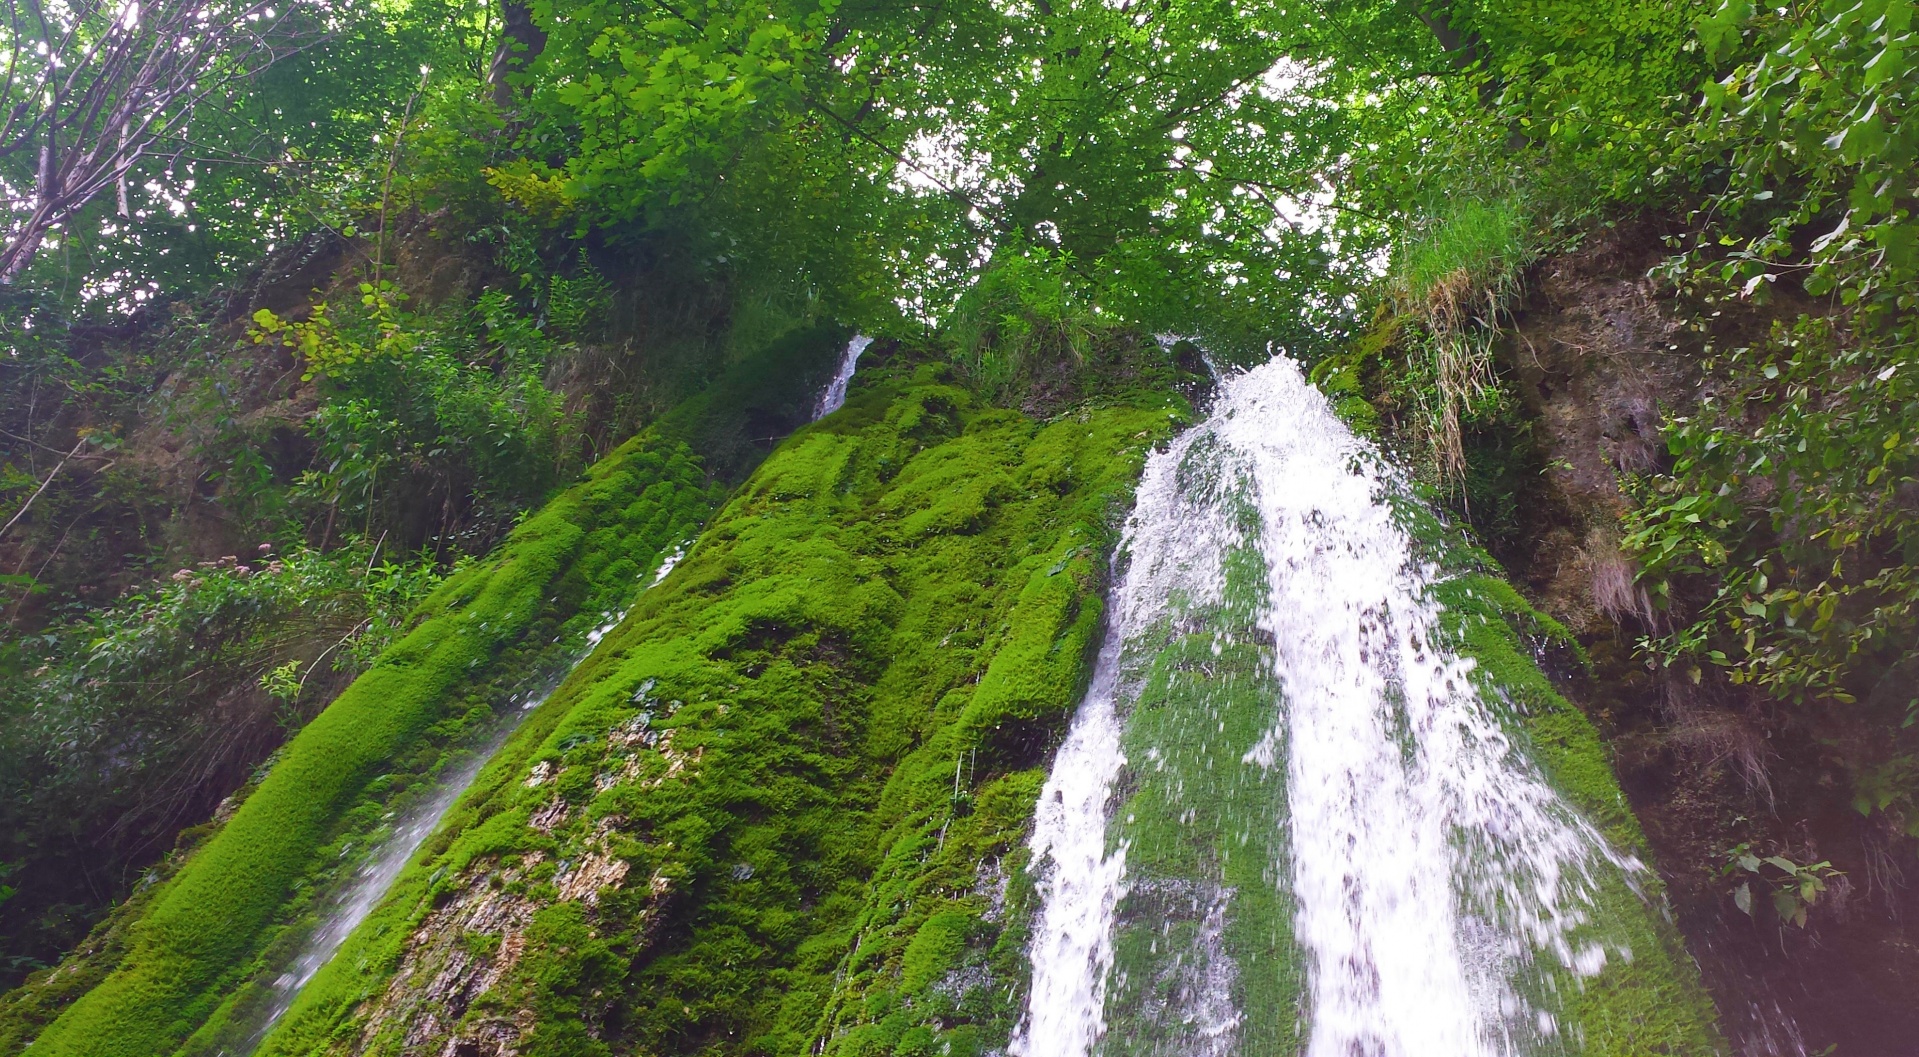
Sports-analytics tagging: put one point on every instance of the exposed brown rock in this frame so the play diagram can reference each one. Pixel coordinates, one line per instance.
(1600, 356)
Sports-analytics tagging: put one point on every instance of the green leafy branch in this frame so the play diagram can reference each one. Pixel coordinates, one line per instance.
(328, 350)
(1793, 887)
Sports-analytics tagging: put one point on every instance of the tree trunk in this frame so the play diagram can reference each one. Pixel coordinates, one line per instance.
(520, 43)
(1465, 50)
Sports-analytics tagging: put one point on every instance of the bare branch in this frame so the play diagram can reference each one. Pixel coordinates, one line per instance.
(97, 86)
(55, 472)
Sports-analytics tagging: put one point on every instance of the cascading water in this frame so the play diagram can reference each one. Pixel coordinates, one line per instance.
(367, 887)
(1287, 817)
(835, 394)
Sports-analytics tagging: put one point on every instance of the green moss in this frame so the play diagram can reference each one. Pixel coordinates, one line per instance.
(202, 932)
(197, 954)
(767, 751)
(936, 948)
(27, 1010)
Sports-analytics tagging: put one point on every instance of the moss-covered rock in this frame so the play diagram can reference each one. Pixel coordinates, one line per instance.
(758, 812)
(196, 954)
(478, 639)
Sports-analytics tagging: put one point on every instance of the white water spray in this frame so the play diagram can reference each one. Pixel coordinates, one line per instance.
(1428, 860)
(835, 394)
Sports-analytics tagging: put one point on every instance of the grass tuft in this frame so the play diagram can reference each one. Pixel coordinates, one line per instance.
(1454, 279)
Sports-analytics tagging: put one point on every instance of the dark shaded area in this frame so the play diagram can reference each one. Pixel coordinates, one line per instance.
(1599, 356)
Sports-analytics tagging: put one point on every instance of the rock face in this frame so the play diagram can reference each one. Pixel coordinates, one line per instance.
(445, 997)
(783, 806)
(456, 959)
(458, 953)
(1601, 355)
(1595, 360)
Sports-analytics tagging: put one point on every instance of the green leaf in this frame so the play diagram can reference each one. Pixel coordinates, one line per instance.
(1786, 905)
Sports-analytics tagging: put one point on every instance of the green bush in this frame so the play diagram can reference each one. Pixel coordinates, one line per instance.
(1451, 284)
(123, 726)
(1784, 546)
(452, 400)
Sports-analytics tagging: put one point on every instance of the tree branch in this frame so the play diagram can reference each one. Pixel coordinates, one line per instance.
(24, 507)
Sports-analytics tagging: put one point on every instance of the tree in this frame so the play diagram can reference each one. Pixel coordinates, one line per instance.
(93, 87)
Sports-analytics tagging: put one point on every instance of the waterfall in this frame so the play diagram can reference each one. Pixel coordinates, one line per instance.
(835, 394)
(1287, 818)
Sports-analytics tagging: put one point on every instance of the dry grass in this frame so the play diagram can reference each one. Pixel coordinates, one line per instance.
(1455, 279)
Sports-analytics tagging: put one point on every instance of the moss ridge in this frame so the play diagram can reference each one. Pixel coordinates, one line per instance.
(1648, 1001)
(756, 773)
(203, 928)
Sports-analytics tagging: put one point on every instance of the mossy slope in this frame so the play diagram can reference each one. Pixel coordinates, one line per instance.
(740, 785)
(781, 809)
(1648, 999)
(490, 632)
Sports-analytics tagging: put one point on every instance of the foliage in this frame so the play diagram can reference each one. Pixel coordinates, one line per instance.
(1783, 539)
(131, 721)
(261, 160)
(1182, 154)
(320, 344)
(1794, 886)
(1450, 285)
(1789, 490)
(1810, 132)
(92, 89)
(656, 91)
(1023, 315)
(1595, 88)
(454, 399)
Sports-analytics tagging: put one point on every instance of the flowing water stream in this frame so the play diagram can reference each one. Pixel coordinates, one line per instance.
(358, 897)
(1287, 817)
(835, 394)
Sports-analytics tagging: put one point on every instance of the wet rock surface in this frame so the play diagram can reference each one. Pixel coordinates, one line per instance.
(1601, 355)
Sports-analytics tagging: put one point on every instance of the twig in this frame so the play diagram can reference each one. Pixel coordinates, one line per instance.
(20, 513)
(376, 553)
(43, 447)
(344, 639)
(386, 182)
